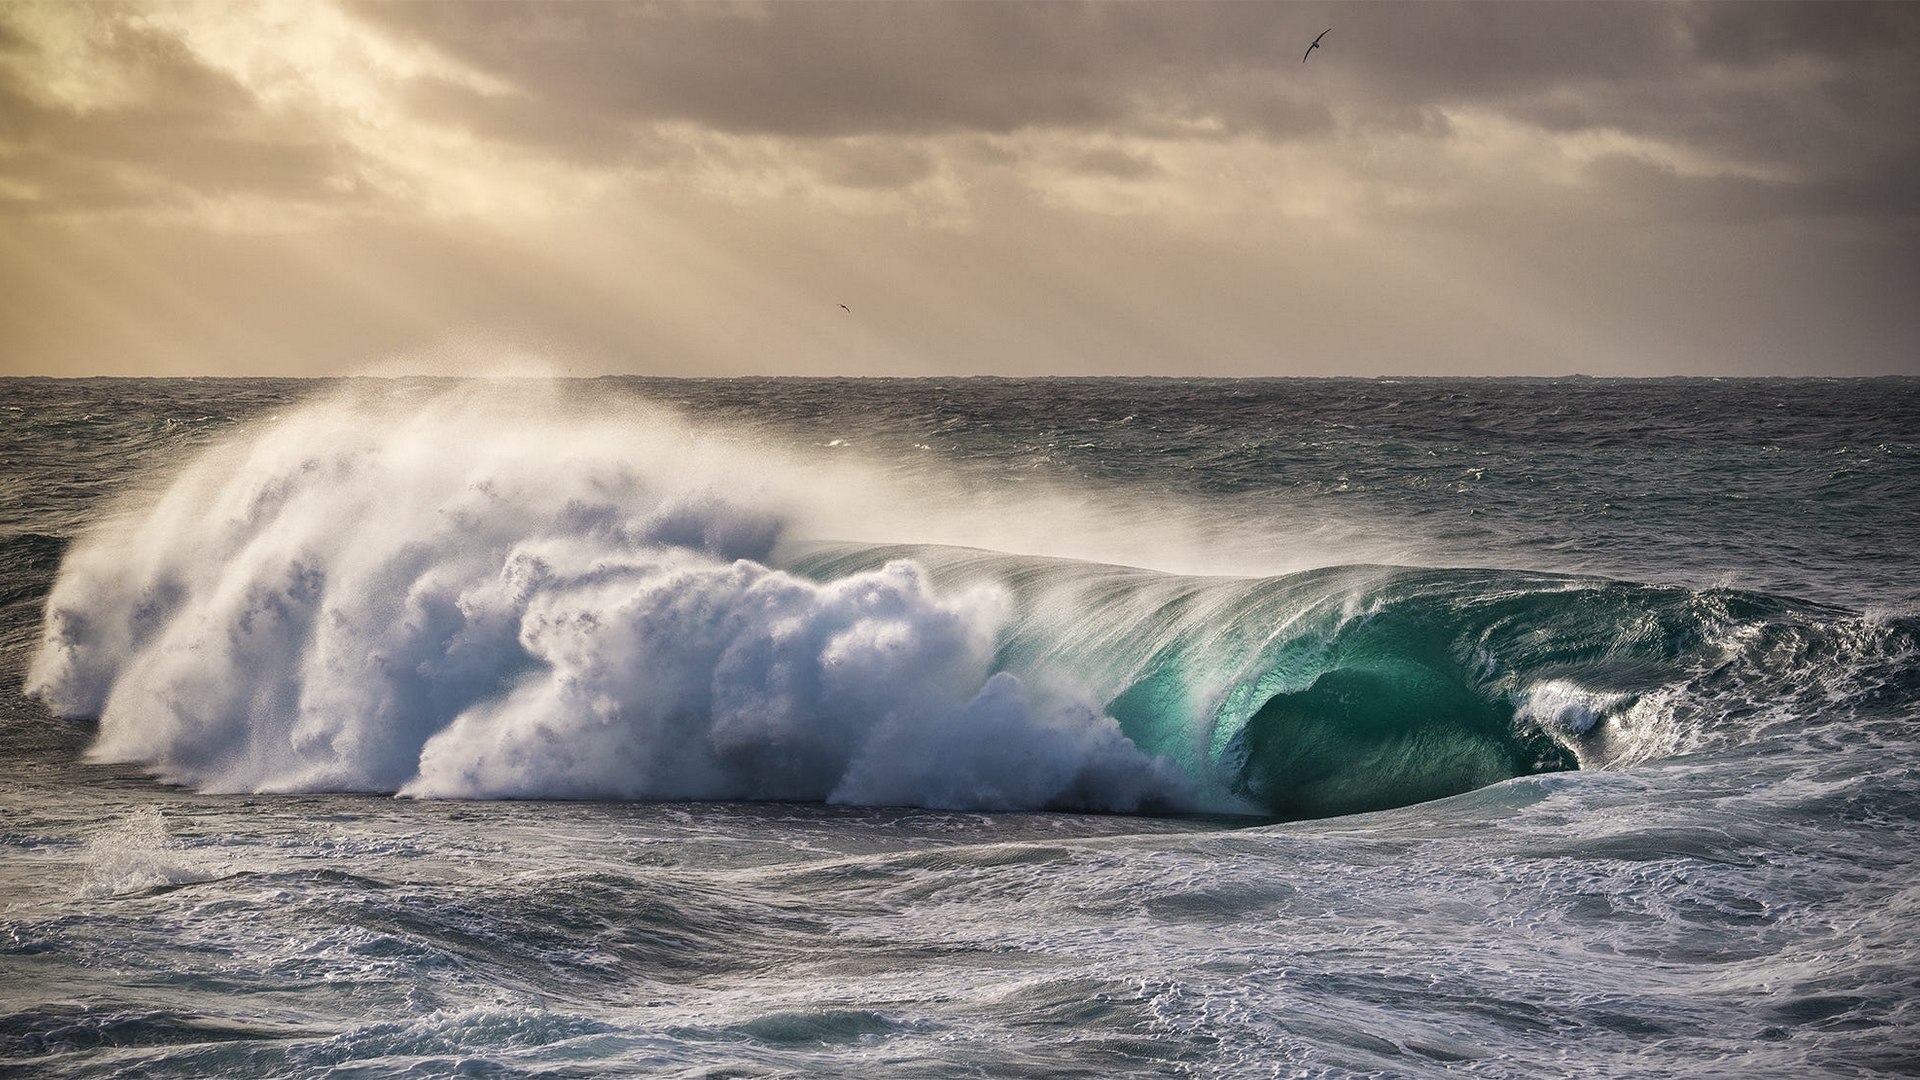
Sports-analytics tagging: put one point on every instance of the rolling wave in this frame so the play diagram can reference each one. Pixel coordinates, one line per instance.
(1354, 688)
(456, 598)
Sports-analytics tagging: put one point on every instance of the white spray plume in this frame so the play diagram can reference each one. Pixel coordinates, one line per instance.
(468, 593)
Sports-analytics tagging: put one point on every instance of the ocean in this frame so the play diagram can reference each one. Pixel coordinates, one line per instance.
(959, 728)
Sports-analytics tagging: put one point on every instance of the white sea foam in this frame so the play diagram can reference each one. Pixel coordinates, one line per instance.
(1567, 708)
(135, 854)
(1611, 730)
(473, 595)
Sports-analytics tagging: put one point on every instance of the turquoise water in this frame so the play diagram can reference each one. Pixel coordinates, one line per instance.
(959, 727)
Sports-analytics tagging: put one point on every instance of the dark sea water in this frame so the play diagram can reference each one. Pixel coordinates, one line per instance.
(959, 728)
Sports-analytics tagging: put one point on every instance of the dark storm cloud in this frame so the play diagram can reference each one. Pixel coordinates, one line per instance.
(1441, 53)
(1827, 93)
(1761, 33)
(837, 69)
(1820, 98)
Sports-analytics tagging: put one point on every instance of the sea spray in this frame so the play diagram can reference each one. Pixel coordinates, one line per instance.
(473, 597)
(137, 854)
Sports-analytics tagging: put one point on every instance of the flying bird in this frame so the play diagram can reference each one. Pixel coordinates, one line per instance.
(846, 309)
(1315, 45)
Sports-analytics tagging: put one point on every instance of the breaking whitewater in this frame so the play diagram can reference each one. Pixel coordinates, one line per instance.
(959, 727)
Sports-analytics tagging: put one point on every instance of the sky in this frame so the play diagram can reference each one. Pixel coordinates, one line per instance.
(329, 187)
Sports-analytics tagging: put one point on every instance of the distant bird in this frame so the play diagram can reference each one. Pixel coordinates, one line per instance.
(846, 309)
(1315, 45)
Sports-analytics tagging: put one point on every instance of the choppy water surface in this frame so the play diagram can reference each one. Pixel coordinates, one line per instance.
(975, 727)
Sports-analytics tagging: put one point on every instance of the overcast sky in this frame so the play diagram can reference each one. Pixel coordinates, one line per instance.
(318, 187)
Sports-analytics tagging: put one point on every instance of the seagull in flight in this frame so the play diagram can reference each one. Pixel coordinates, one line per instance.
(1315, 45)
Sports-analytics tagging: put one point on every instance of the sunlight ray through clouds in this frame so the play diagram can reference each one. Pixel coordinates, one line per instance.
(1011, 188)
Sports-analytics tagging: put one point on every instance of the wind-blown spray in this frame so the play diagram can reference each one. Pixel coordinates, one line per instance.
(465, 598)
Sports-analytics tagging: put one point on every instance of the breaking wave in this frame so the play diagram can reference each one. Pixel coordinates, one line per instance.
(461, 597)
(471, 595)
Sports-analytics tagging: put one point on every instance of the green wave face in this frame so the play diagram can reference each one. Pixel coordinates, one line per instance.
(1365, 689)
(1374, 738)
(1426, 691)
(1359, 688)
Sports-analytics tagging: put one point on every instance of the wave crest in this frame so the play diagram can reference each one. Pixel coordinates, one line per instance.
(366, 596)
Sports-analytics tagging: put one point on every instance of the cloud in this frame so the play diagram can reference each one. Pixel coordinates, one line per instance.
(646, 171)
(813, 70)
(99, 112)
(194, 111)
(451, 107)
